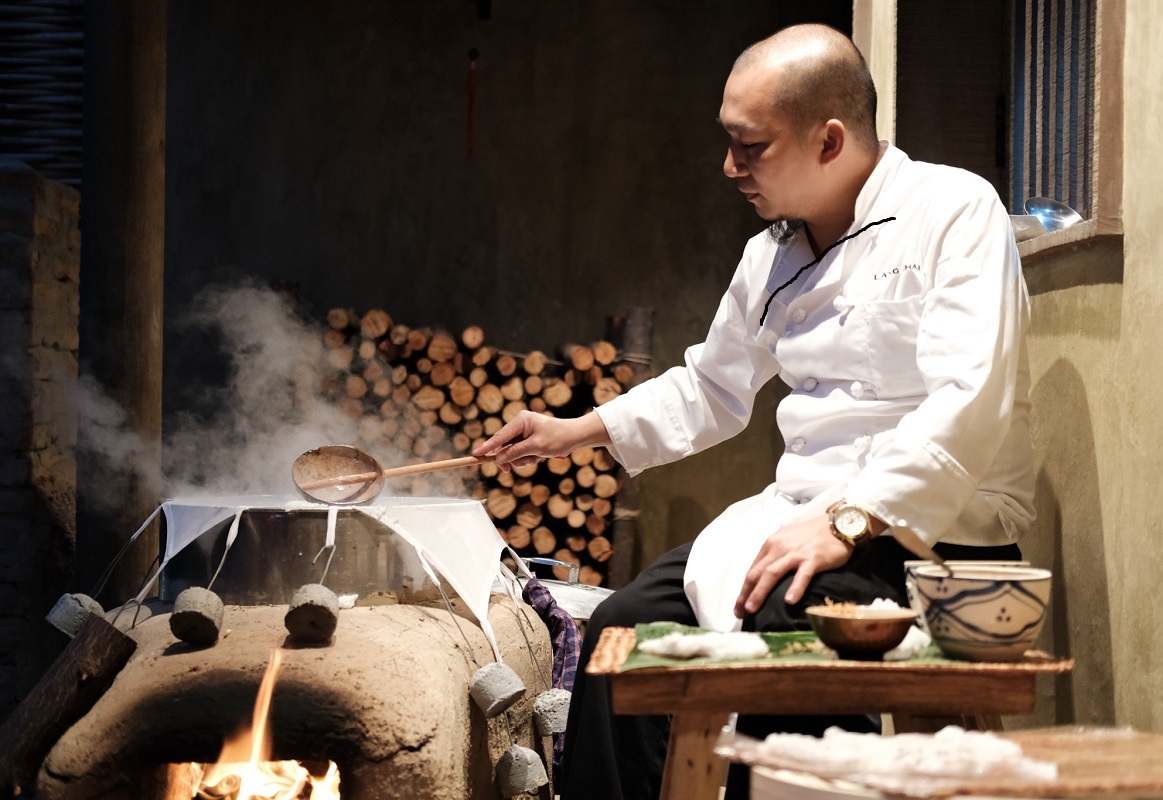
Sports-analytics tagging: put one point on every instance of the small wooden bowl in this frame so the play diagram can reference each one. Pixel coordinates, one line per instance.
(860, 632)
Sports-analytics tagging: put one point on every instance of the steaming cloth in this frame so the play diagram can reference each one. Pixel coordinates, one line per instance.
(454, 538)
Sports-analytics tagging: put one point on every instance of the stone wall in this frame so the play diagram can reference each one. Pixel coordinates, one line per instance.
(39, 305)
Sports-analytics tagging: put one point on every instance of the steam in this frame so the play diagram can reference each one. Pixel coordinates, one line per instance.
(270, 408)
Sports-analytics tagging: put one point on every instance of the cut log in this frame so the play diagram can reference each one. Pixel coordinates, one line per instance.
(526, 471)
(529, 515)
(450, 414)
(375, 323)
(538, 405)
(556, 393)
(533, 384)
(478, 377)
(595, 525)
(472, 337)
(540, 494)
(606, 390)
(461, 441)
(338, 319)
(350, 407)
(366, 349)
(370, 428)
(354, 386)
(442, 347)
(474, 429)
(604, 353)
(506, 365)
(559, 506)
(586, 476)
(423, 365)
(606, 485)
(429, 398)
(418, 339)
(589, 576)
(399, 374)
(576, 543)
(398, 335)
(603, 461)
(388, 351)
(544, 541)
(580, 356)
(522, 487)
(517, 536)
(501, 503)
(414, 382)
(566, 485)
(603, 506)
(334, 338)
(562, 573)
(442, 373)
(492, 425)
(513, 389)
(585, 502)
(506, 479)
(483, 356)
(559, 465)
(624, 374)
(599, 548)
(576, 518)
(373, 371)
(462, 391)
(582, 456)
(534, 362)
(64, 694)
(490, 399)
(489, 469)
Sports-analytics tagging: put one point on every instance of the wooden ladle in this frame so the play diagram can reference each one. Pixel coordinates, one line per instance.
(345, 475)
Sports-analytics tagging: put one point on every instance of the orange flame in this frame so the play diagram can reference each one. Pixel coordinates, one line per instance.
(244, 770)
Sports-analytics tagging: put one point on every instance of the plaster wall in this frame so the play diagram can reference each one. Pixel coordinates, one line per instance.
(1097, 421)
(326, 146)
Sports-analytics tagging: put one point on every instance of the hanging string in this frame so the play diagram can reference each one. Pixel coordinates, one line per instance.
(818, 259)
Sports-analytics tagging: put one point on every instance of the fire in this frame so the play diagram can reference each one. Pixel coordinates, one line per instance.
(244, 770)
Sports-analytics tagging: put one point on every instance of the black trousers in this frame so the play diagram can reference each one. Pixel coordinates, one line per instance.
(620, 757)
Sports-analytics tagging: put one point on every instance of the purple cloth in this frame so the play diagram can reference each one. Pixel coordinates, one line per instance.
(566, 646)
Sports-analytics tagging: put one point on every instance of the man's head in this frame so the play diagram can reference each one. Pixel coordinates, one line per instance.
(800, 107)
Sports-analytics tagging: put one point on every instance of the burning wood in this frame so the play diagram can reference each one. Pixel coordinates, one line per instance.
(244, 770)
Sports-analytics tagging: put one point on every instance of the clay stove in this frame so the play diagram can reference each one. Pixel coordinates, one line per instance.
(387, 700)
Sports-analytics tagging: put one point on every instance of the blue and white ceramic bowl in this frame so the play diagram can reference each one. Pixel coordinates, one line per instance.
(911, 581)
(983, 613)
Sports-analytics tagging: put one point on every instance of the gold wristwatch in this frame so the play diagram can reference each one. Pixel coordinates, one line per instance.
(849, 523)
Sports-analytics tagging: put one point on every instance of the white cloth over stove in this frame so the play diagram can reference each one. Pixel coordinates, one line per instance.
(453, 537)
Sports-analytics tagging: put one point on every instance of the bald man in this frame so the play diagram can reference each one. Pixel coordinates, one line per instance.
(888, 295)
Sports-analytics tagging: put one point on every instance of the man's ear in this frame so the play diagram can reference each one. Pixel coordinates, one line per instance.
(832, 140)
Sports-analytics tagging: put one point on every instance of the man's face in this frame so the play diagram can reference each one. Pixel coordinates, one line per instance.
(770, 162)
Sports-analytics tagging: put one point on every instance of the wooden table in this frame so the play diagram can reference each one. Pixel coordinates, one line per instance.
(701, 698)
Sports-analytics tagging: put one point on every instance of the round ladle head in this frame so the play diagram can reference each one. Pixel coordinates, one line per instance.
(338, 474)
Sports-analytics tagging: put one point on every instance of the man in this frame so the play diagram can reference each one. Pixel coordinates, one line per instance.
(888, 295)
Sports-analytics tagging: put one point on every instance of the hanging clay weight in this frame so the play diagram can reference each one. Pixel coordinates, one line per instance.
(71, 611)
(550, 711)
(313, 614)
(494, 687)
(519, 771)
(197, 616)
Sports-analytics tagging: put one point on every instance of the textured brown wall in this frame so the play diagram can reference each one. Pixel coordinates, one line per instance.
(39, 266)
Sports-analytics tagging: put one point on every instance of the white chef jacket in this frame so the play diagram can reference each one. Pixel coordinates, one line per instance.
(904, 350)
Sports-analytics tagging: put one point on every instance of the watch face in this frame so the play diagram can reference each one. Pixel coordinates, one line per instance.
(850, 521)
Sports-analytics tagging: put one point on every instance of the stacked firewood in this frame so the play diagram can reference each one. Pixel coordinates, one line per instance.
(422, 394)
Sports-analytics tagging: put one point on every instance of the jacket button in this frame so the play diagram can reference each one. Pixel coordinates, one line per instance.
(857, 389)
(799, 315)
(810, 384)
(863, 443)
(797, 444)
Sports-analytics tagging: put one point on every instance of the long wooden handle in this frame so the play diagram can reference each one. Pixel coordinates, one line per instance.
(436, 466)
(338, 480)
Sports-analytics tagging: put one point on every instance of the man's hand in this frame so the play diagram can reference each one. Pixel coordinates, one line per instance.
(806, 547)
(530, 437)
